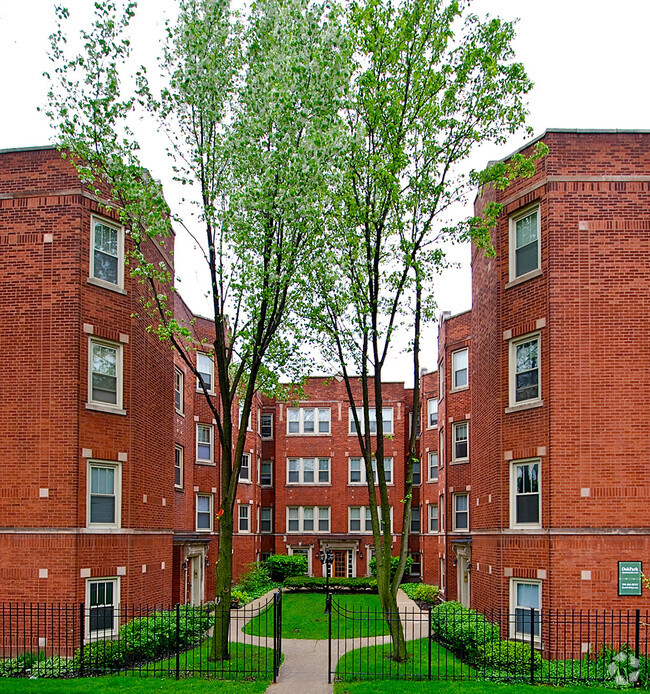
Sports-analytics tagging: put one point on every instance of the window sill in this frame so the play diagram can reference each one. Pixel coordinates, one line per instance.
(374, 433)
(95, 407)
(524, 406)
(245, 482)
(204, 462)
(524, 278)
(459, 390)
(206, 392)
(308, 484)
(460, 461)
(266, 438)
(536, 526)
(433, 427)
(178, 489)
(310, 434)
(180, 414)
(267, 486)
(106, 285)
(365, 484)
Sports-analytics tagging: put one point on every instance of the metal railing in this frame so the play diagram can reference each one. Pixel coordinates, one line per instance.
(67, 640)
(531, 646)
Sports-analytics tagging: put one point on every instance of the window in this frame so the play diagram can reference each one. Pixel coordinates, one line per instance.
(461, 441)
(178, 390)
(357, 470)
(524, 370)
(524, 243)
(266, 474)
(386, 418)
(433, 518)
(204, 512)
(244, 518)
(433, 466)
(104, 494)
(416, 472)
(266, 519)
(102, 600)
(442, 574)
(461, 511)
(309, 420)
(417, 426)
(308, 471)
(441, 449)
(178, 467)
(266, 427)
(245, 468)
(205, 367)
(525, 497)
(459, 369)
(360, 521)
(441, 509)
(525, 595)
(416, 566)
(441, 369)
(105, 375)
(107, 254)
(432, 410)
(415, 519)
(302, 552)
(308, 519)
(204, 443)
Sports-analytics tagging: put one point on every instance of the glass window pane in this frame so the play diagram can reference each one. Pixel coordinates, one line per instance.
(102, 509)
(324, 421)
(308, 420)
(308, 470)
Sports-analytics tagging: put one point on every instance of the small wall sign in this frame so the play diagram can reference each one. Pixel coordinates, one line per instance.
(629, 578)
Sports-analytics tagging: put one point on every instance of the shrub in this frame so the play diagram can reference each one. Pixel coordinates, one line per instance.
(463, 629)
(239, 598)
(508, 655)
(422, 592)
(394, 561)
(316, 584)
(256, 578)
(56, 666)
(101, 655)
(281, 566)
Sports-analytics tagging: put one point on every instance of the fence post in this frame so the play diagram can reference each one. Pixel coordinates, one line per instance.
(637, 635)
(430, 640)
(82, 628)
(328, 610)
(277, 633)
(532, 645)
(178, 641)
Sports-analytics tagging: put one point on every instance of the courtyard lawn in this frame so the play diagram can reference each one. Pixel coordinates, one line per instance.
(303, 617)
(464, 687)
(131, 685)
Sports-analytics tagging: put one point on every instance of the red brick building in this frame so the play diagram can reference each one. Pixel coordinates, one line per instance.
(533, 428)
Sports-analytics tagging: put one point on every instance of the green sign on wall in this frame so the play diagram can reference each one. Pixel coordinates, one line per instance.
(629, 578)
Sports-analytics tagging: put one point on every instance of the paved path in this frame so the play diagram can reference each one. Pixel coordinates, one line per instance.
(304, 670)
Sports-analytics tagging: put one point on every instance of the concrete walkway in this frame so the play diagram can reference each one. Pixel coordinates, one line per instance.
(304, 669)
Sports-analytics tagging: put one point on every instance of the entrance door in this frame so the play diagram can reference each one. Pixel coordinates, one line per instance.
(196, 579)
(463, 581)
(340, 563)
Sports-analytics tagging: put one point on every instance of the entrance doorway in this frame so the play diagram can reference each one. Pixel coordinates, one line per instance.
(463, 580)
(196, 579)
(341, 563)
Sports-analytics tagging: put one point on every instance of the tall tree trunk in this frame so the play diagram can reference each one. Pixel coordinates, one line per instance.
(219, 649)
(388, 602)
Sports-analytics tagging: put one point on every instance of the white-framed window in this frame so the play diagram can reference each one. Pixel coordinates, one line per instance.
(417, 476)
(266, 473)
(432, 413)
(525, 370)
(178, 391)
(244, 518)
(266, 425)
(308, 519)
(266, 519)
(433, 518)
(415, 519)
(524, 243)
(357, 470)
(460, 433)
(360, 520)
(460, 369)
(104, 494)
(245, 468)
(441, 369)
(102, 607)
(107, 254)
(441, 511)
(249, 423)
(204, 512)
(416, 566)
(441, 449)
(105, 374)
(461, 511)
(524, 596)
(525, 494)
(205, 366)
(302, 552)
(433, 466)
(386, 418)
(417, 427)
(309, 420)
(308, 470)
(204, 443)
(178, 467)
(442, 574)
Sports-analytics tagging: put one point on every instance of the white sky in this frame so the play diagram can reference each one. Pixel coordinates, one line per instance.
(588, 58)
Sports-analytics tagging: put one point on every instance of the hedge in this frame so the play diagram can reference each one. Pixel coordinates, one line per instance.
(316, 584)
(508, 655)
(281, 566)
(422, 592)
(466, 631)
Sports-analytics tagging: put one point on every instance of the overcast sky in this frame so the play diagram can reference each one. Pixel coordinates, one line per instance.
(588, 59)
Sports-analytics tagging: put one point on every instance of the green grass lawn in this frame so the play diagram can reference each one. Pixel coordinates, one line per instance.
(303, 617)
(455, 687)
(132, 685)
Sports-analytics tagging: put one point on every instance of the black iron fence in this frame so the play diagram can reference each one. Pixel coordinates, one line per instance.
(532, 646)
(68, 640)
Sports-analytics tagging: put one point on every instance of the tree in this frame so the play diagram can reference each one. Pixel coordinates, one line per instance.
(431, 82)
(250, 110)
